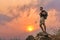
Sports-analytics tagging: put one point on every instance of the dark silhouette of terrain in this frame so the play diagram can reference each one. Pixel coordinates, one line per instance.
(43, 36)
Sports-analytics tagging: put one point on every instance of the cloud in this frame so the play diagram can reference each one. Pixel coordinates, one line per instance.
(21, 3)
(52, 21)
(4, 18)
(54, 4)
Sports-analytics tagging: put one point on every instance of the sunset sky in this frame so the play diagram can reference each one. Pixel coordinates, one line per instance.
(20, 18)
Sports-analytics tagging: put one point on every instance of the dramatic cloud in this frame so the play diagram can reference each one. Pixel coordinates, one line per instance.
(14, 3)
(5, 18)
(52, 21)
(54, 4)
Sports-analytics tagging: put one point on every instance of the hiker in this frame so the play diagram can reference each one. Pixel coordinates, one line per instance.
(43, 16)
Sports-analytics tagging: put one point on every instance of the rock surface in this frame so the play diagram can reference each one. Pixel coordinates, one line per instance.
(40, 36)
(43, 36)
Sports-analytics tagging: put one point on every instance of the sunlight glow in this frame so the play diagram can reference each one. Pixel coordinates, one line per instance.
(30, 28)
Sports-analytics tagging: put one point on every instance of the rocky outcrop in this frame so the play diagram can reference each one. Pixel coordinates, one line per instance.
(40, 36)
(43, 36)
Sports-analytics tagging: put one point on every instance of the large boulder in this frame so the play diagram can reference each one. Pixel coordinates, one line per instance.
(43, 36)
(30, 37)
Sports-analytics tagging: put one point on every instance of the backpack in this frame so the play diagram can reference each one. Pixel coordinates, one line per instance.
(44, 15)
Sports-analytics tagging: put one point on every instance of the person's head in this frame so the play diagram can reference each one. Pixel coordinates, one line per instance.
(41, 8)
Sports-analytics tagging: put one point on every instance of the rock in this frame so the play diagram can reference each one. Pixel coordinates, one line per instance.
(30, 37)
(43, 36)
(40, 36)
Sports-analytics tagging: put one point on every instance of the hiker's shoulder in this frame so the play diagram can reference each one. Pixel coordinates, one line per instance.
(44, 11)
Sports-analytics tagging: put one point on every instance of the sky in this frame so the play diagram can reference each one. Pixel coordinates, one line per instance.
(16, 16)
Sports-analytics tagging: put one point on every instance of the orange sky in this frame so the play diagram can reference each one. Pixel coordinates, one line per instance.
(17, 15)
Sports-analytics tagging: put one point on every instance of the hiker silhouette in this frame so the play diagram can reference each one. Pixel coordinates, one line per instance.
(43, 16)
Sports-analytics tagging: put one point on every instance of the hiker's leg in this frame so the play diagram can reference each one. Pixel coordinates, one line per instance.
(41, 27)
(44, 27)
(41, 23)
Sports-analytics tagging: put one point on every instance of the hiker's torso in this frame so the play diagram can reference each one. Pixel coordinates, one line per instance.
(43, 14)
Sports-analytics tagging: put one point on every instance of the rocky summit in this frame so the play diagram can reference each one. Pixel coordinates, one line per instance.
(40, 36)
